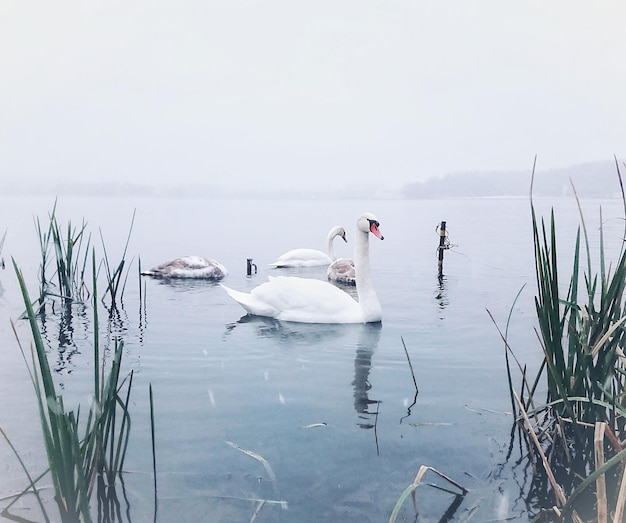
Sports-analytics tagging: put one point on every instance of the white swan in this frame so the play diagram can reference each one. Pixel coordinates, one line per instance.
(311, 257)
(290, 298)
(189, 267)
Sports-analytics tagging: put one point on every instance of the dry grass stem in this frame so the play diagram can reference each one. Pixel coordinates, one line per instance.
(417, 482)
(558, 493)
(598, 441)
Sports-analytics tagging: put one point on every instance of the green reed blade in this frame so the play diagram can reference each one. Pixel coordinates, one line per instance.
(124, 435)
(39, 344)
(96, 327)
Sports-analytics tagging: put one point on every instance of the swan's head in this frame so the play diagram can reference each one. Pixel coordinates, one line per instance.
(338, 231)
(342, 233)
(367, 222)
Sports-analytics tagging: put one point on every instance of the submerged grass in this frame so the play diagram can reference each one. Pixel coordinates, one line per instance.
(583, 417)
(419, 482)
(260, 503)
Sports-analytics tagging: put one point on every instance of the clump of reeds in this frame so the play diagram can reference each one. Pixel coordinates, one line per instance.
(80, 454)
(70, 256)
(85, 454)
(576, 436)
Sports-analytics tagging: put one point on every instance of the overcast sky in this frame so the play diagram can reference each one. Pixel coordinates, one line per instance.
(284, 91)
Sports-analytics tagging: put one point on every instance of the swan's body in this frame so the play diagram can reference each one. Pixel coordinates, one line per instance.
(189, 267)
(342, 271)
(311, 257)
(290, 298)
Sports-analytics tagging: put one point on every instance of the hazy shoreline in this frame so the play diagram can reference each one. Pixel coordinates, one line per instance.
(591, 180)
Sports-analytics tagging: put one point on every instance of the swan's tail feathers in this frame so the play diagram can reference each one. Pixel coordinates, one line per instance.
(249, 302)
(238, 296)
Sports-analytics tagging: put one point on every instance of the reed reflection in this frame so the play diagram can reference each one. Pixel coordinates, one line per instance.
(58, 330)
(65, 324)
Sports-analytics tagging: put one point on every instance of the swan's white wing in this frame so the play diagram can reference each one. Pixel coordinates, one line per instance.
(302, 258)
(290, 298)
(309, 300)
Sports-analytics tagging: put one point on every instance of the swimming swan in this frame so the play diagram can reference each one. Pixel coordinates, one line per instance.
(311, 257)
(342, 271)
(189, 267)
(304, 300)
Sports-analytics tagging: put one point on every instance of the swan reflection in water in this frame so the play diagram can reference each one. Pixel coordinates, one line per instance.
(186, 284)
(367, 344)
(367, 337)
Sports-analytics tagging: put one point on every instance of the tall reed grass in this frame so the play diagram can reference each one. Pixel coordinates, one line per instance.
(576, 433)
(70, 259)
(85, 452)
(69, 252)
(79, 454)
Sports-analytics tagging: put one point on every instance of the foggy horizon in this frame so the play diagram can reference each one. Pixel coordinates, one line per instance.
(591, 179)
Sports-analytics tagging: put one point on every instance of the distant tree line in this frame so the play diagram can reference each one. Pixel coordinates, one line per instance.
(591, 180)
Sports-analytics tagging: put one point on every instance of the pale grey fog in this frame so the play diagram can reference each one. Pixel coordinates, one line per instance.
(359, 98)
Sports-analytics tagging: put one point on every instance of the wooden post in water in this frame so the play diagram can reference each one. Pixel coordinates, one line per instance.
(250, 266)
(442, 246)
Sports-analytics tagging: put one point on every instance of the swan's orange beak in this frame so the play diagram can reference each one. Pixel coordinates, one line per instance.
(374, 230)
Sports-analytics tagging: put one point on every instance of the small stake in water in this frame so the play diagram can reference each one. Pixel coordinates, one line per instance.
(250, 267)
(443, 244)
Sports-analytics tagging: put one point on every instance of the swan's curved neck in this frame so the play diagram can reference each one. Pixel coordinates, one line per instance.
(329, 246)
(368, 299)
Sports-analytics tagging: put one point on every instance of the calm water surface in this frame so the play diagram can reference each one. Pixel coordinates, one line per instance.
(333, 409)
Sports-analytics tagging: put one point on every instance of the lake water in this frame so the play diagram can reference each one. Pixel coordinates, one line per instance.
(332, 409)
